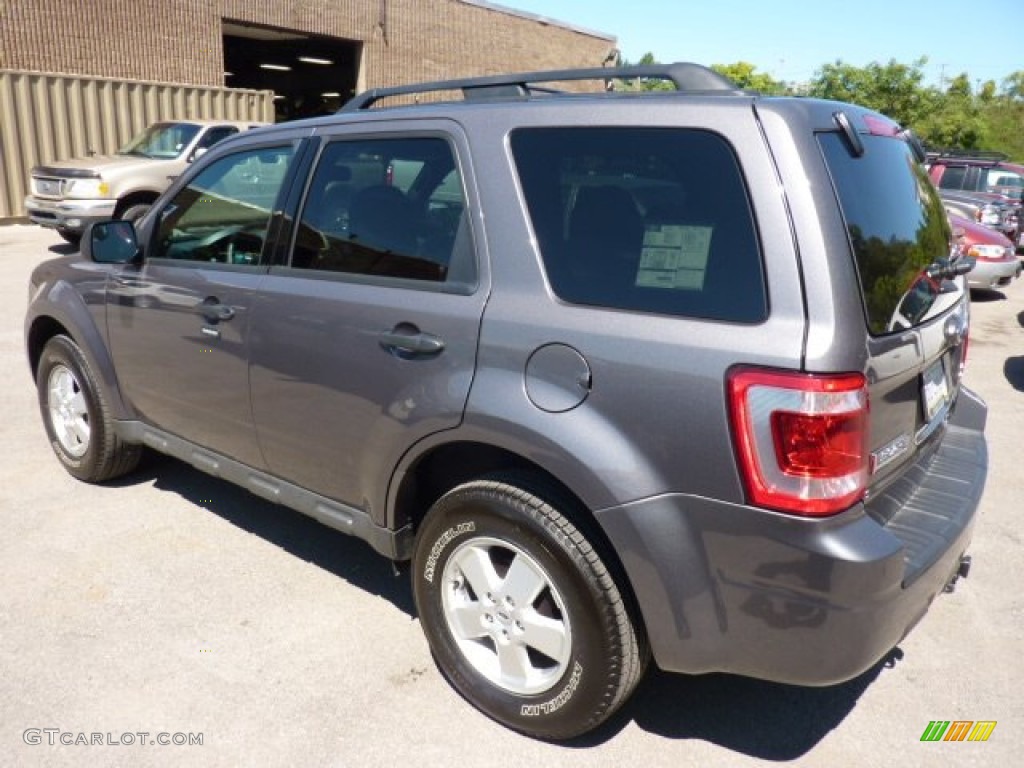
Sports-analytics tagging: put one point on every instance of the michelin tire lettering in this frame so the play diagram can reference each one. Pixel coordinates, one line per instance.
(446, 538)
(555, 704)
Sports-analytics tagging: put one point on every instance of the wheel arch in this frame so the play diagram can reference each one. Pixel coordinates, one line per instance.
(135, 197)
(434, 471)
(69, 316)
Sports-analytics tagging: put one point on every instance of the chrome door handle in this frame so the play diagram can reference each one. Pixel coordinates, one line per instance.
(406, 340)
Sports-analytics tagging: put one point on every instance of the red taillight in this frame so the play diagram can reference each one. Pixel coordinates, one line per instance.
(802, 439)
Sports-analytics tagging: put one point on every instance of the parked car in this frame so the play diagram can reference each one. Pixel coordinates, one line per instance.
(620, 375)
(70, 194)
(996, 262)
(995, 214)
(990, 174)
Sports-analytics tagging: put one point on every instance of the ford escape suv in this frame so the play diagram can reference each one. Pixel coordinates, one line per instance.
(671, 375)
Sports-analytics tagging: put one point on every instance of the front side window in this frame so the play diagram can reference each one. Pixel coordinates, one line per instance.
(646, 219)
(222, 215)
(387, 208)
(896, 225)
(161, 141)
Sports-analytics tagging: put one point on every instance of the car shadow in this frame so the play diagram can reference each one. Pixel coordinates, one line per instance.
(1013, 370)
(63, 249)
(770, 721)
(987, 295)
(344, 556)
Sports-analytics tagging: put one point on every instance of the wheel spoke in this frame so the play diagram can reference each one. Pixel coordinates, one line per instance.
(63, 430)
(523, 582)
(59, 390)
(546, 635)
(79, 430)
(466, 620)
(476, 566)
(513, 662)
(77, 404)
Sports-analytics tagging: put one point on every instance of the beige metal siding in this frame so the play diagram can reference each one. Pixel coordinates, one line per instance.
(47, 117)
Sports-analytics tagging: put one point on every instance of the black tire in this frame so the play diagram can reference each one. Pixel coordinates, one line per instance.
(77, 418)
(70, 237)
(593, 655)
(133, 212)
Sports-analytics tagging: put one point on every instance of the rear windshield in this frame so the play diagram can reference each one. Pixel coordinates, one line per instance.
(896, 224)
(645, 219)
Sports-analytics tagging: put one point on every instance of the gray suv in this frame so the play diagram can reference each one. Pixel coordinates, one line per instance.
(622, 375)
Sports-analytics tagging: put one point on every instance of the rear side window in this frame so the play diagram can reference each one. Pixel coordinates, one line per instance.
(896, 224)
(645, 219)
(387, 208)
(953, 177)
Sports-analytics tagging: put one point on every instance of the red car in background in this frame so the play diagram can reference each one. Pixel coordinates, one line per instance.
(991, 177)
(996, 263)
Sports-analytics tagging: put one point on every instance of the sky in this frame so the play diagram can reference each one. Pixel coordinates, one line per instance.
(790, 39)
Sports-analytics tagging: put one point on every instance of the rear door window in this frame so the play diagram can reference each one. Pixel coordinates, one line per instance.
(953, 177)
(896, 225)
(389, 208)
(645, 219)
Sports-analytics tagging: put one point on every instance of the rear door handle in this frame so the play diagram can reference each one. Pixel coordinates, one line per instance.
(405, 340)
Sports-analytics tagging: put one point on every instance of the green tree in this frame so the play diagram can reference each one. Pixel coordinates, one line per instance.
(893, 89)
(1013, 86)
(746, 76)
(956, 120)
(643, 83)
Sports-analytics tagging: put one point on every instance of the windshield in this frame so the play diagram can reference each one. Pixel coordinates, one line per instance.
(896, 225)
(164, 141)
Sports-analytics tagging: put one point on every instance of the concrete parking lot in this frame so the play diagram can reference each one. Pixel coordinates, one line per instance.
(174, 605)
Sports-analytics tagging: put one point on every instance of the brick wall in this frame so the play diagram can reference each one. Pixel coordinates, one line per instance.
(179, 41)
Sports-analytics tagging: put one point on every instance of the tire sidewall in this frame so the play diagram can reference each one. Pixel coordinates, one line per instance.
(61, 351)
(134, 212)
(567, 706)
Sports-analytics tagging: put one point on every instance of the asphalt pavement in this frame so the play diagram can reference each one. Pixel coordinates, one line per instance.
(173, 607)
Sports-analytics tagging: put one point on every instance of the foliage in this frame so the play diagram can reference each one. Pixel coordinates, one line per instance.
(955, 117)
(744, 75)
(987, 116)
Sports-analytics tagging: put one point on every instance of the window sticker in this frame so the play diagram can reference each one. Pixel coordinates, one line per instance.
(674, 256)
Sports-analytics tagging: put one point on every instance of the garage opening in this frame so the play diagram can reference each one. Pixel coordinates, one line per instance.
(309, 74)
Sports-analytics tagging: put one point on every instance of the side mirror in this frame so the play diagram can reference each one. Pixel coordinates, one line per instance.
(110, 242)
(197, 153)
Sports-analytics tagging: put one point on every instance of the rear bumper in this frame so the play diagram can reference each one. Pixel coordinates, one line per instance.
(70, 215)
(737, 589)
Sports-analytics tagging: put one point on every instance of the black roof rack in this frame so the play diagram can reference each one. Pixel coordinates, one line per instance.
(686, 77)
(966, 154)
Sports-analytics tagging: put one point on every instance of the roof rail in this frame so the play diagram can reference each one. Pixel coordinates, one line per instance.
(966, 154)
(685, 75)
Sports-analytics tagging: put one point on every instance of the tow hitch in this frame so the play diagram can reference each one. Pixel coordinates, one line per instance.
(961, 572)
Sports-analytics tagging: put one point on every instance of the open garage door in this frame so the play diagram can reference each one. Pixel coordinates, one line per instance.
(310, 75)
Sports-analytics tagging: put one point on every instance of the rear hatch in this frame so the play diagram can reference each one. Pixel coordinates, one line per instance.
(917, 318)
